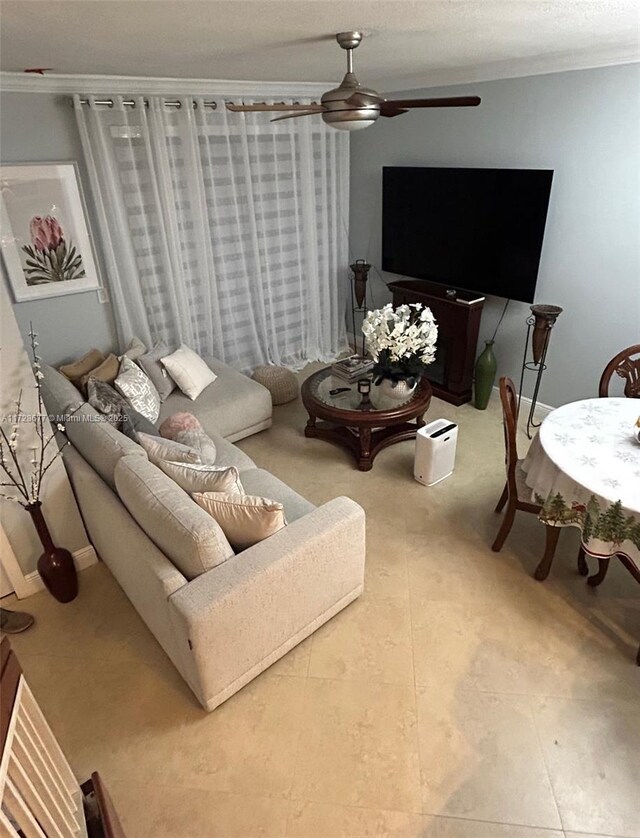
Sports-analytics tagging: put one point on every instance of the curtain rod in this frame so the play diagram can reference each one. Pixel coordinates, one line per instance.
(130, 103)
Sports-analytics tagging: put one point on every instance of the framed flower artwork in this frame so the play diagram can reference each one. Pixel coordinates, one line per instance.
(44, 235)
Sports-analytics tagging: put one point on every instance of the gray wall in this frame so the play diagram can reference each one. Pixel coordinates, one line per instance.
(586, 126)
(38, 128)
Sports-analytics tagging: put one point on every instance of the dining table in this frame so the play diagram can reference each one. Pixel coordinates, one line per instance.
(583, 470)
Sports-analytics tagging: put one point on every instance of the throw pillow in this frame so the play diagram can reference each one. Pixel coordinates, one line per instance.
(159, 449)
(105, 399)
(186, 428)
(244, 519)
(135, 423)
(136, 387)
(135, 349)
(202, 442)
(150, 363)
(179, 422)
(202, 477)
(189, 371)
(107, 371)
(82, 366)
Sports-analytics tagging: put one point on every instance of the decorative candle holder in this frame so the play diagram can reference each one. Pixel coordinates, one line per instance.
(544, 319)
(360, 270)
(540, 324)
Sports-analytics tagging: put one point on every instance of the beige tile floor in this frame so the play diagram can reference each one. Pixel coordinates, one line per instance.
(457, 698)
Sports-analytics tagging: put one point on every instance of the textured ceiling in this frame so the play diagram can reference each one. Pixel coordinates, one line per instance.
(409, 44)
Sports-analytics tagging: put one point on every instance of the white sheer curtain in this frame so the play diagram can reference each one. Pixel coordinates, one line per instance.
(224, 231)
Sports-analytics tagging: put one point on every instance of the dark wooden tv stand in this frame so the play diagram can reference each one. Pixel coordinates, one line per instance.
(458, 317)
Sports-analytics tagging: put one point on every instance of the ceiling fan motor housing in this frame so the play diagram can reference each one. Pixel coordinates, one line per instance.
(340, 113)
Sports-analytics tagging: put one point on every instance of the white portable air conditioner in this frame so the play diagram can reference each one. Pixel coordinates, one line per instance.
(435, 451)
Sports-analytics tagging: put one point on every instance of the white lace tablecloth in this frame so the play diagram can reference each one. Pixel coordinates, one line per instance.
(584, 468)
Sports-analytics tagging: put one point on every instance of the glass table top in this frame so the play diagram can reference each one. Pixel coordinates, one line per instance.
(325, 384)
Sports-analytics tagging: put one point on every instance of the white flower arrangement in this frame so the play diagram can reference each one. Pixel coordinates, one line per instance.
(401, 341)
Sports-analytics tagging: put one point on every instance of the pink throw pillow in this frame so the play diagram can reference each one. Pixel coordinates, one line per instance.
(179, 422)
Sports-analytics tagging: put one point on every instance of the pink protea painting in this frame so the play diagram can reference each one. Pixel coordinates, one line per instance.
(50, 258)
(46, 233)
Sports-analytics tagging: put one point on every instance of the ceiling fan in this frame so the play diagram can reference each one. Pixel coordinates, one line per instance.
(350, 106)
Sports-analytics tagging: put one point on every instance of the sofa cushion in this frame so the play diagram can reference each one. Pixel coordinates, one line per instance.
(136, 423)
(202, 477)
(59, 394)
(245, 520)
(228, 454)
(185, 533)
(89, 361)
(104, 398)
(257, 481)
(135, 349)
(150, 363)
(189, 371)
(138, 389)
(158, 448)
(202, 443)
(230, 406)
(106, 371)
(99, 442)
(186, 428)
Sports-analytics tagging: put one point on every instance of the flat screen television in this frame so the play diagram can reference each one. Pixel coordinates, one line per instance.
(480, 230)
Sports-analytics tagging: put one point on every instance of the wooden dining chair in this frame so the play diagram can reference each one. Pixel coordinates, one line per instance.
(516, 491)
(626, 364)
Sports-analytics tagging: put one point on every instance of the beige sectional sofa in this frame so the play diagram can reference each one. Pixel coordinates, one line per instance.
(223, 626)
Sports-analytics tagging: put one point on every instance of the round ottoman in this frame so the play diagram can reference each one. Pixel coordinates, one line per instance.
(279, 381)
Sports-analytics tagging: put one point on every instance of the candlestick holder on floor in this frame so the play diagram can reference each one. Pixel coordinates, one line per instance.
(359, 306)
(539, 326)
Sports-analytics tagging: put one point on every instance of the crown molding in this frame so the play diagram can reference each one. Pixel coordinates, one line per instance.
(20, 82)
(540, 65)
(70, 83)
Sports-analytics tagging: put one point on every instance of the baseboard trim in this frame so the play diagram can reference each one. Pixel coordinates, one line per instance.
(542, 410)
(83, 558)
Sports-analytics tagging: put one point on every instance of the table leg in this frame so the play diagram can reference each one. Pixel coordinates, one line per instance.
(583, 567)
(310, 428)
(542, 571)
(420, 423)
(365, 462)
(598, 578)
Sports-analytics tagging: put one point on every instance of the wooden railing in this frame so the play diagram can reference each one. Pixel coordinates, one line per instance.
(39, 795)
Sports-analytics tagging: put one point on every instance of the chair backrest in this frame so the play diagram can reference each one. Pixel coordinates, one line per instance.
(510, 423)
(626, 364)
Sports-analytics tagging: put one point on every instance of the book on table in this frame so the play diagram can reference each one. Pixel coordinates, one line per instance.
(352, 368)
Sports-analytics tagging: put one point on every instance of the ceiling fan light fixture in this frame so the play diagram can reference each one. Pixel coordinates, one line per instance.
(351, 124)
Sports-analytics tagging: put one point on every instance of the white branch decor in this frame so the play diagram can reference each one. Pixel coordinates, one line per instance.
(26, 483)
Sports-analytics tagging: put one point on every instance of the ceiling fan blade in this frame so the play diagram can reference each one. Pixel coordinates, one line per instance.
(279, 106)
(392, 111)
(296, 115)
(393, 107)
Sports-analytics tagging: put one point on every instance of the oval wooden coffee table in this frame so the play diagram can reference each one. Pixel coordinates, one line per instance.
(362, 430)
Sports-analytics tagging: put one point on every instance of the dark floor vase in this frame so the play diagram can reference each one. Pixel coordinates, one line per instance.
(485, 376)
(55, 565)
